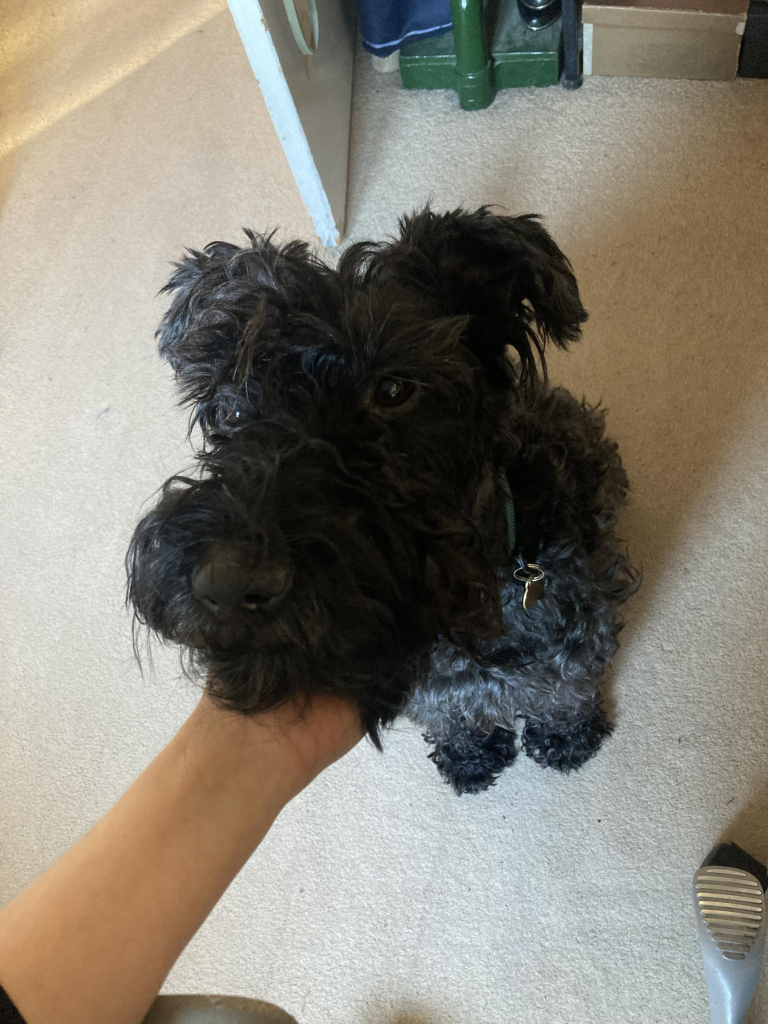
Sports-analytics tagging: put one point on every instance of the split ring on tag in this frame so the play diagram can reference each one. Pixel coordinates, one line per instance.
(534, 583)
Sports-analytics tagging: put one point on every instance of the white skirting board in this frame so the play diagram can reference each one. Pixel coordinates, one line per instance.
(588, 31)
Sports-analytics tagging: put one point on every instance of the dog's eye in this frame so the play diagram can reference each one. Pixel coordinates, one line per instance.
(232, 421)
(391, 392)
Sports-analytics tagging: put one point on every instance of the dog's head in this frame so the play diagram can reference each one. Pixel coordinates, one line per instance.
(348, 510)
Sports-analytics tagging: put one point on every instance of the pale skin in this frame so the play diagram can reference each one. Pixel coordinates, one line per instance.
(92, 939)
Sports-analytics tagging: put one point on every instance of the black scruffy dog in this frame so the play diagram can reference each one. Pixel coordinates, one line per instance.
(392, 505)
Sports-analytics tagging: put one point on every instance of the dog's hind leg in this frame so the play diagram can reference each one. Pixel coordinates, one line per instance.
(471, 760)
(566, 745)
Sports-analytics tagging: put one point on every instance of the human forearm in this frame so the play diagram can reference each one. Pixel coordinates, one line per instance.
(93, 938)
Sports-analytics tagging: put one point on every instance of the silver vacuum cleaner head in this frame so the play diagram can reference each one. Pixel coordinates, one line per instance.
(729, 896)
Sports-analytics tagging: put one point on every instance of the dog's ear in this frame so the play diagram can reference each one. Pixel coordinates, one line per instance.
(227, 300)
(505, 273)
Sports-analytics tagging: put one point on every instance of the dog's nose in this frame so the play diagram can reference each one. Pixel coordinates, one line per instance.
(227, 580)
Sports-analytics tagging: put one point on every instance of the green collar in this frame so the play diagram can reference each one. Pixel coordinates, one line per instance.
(510, 510)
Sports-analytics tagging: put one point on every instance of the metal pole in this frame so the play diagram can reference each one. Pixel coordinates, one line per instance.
(571, 77)
(474, 82)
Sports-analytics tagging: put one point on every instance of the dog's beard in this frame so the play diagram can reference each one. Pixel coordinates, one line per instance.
(374, 589)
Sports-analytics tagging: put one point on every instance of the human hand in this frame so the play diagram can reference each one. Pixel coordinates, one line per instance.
(298, 740)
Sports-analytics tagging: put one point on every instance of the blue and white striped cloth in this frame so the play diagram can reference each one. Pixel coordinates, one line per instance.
(386, 25)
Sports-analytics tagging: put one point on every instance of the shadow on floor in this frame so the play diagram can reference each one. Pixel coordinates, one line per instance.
(410, 1013)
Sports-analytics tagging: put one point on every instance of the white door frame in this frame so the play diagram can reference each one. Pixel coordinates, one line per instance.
(290, 93)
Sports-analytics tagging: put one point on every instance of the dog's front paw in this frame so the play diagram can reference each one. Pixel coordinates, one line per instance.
(471, 761)
(553, 747)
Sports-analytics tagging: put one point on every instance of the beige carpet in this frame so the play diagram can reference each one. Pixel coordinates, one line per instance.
(379, 898)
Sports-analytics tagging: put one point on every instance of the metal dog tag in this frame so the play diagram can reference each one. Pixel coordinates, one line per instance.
(534, 588)
(533, 578)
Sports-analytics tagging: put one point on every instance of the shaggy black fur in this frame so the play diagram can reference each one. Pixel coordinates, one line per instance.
(346, 530)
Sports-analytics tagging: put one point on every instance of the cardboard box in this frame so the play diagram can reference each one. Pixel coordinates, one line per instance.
(697, 39)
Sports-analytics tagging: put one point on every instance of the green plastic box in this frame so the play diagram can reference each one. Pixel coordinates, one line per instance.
(517, 56)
